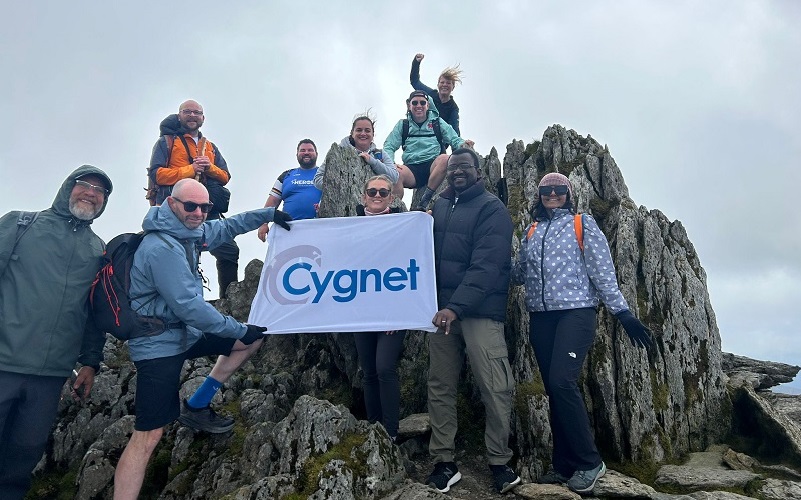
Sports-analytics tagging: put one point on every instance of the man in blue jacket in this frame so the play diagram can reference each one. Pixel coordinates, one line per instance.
(46, 270)
(166, 284)
(472, 249)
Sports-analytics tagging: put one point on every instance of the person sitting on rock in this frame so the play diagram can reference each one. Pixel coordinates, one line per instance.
(564, 279)
(446, 106)
(424, 158)
(361, 140)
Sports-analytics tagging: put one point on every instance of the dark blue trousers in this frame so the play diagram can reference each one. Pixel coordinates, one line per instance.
(561, 341)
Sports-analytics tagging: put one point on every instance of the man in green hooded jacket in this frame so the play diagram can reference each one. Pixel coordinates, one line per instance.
(45, 276)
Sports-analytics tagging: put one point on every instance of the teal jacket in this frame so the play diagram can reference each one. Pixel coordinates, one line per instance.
(45, 287)
(421, 145)
(166, 285)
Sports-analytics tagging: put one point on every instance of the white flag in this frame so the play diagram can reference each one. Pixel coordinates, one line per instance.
(349, 274)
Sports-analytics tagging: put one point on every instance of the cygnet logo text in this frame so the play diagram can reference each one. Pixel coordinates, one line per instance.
(295, 277)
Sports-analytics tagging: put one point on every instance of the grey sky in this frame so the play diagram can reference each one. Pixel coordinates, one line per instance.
(697, 101)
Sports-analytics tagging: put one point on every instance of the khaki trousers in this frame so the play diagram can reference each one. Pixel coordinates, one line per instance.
(483, 341)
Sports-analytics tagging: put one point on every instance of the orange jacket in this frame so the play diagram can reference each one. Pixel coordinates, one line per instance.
(179, 167)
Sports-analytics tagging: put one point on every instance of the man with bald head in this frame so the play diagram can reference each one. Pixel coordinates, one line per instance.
(182, 152)
(165, 284)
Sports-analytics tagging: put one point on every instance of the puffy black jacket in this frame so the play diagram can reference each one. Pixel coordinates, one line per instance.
(472, 252)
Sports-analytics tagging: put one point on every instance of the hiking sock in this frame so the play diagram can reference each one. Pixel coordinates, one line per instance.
(204, 393)
(426, 198)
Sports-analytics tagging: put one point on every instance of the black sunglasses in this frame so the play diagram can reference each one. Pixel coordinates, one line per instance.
(559, 190)
(383, 192)
(191, 206)
(419, 103)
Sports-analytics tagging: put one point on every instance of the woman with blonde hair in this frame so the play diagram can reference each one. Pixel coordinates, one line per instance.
(446, 106)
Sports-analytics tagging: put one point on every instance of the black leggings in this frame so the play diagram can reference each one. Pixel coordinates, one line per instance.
(378, 357)
(561, 341)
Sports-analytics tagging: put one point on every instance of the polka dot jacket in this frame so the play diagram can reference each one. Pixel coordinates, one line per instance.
(558, 276)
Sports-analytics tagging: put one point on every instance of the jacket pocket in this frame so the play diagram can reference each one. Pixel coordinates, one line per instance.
(502, 379)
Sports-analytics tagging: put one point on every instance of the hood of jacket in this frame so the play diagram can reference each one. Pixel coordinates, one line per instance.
(171, 126)
(61, 204)
(346, 142)
(162, 218)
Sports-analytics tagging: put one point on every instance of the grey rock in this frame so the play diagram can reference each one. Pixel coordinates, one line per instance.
(416, 491)
(774, 489)
(789, 405)
(717, 495)
(536, 491)
(761, 374)
(773, 436)
(702, 478)
(414, 425)
(617, 485)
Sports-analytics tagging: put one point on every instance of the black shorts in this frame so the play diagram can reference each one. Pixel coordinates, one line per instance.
(158, 380)
(421, 172)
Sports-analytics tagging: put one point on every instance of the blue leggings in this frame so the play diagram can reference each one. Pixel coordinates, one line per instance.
(378, 357)
(561, 341)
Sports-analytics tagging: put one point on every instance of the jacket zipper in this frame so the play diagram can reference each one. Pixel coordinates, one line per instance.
(542, 266)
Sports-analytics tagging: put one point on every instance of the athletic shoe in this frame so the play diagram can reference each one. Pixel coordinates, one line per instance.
(205, 419)
(505, 478)
(445, 475)
(583, 481)
(552, 477)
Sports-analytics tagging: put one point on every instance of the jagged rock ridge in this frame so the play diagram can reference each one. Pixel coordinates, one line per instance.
(646, 408)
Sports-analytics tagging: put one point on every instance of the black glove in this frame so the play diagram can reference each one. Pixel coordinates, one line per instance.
(253, 334)
(638, 333)
(281, 218)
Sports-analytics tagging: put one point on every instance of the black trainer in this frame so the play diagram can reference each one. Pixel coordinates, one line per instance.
(505, 478)
(205, 419)
(552, 477)
(445, 475)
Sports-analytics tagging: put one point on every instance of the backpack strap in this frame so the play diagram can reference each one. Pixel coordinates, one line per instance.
(578, 228)
(24, 222)
(152, 189)
(186, 146)
(404, 133)
(438, 135)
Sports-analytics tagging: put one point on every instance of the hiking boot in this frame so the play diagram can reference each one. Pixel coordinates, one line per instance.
(445, 475)
(505, 478)
(205, 419)
(583, 481)
(552, 477)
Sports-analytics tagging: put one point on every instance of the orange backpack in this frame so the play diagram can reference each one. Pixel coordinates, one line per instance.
(578, 221)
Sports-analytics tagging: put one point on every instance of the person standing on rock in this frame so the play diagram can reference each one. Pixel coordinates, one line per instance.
(182, 152)
(446, 106)
(295, 188)
(48, 261)
(565, 278)
(165, 283)
(424, 158)
(361, 140)
(379, 351)
(472, 244)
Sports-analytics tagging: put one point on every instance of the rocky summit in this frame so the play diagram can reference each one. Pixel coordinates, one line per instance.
(682, 420)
